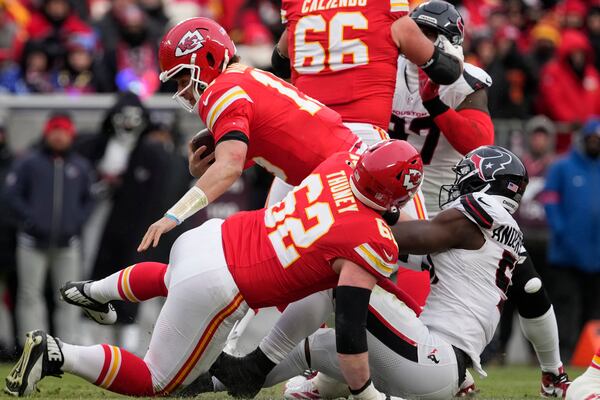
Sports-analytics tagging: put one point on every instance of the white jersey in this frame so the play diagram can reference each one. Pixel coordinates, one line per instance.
(469, 286)
(410, 121)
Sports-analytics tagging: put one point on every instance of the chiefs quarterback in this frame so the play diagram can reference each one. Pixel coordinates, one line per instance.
(253, 116)
(328, 232)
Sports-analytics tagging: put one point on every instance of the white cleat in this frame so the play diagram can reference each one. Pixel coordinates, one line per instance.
(299, 387)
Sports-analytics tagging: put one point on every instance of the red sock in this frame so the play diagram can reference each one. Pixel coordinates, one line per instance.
(142, 281)
(124, 373)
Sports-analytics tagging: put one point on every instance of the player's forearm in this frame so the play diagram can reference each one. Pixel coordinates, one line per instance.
(355, 368)
(414, 237)
(411, 41)
(218, 178)
(466, 129)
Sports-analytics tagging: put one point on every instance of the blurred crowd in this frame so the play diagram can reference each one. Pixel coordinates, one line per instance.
(543, 57)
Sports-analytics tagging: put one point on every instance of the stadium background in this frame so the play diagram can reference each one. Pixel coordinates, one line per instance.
(105, 47)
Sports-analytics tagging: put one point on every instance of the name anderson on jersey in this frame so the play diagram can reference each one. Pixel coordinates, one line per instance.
(508, 236)
(309, 6)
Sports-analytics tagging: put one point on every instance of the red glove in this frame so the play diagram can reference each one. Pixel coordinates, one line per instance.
(427, 88)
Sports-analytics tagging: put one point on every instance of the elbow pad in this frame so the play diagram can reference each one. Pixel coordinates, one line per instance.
(281, 64)
(442, 68)
(351, 309)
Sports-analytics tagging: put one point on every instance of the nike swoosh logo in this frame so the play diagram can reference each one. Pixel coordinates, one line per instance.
(389, 258)
(480, 199)
(205, 102)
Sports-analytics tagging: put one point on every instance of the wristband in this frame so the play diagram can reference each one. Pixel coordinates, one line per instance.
(435, 106)
(191, 202)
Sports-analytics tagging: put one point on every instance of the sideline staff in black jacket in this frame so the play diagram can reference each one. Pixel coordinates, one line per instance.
(49, 191)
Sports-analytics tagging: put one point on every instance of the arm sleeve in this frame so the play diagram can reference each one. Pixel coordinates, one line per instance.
(551, 198)
(466, 129)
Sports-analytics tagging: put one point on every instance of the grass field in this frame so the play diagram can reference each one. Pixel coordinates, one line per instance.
(502, 383)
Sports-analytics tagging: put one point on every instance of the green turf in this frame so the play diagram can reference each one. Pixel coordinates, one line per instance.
(502, 383)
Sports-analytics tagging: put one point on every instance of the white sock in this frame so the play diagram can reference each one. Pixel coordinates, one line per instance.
(83, 361)
(106, 289)
(542, 332)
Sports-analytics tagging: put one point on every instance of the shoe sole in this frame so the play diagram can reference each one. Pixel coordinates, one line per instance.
(17, 379)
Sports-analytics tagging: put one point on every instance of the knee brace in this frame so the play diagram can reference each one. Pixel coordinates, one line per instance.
(527, 290)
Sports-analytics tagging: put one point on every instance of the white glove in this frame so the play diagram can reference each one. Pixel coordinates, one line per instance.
(444, 44)
(370, 393)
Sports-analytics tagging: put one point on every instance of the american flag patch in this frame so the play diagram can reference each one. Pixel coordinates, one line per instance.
(513, 187)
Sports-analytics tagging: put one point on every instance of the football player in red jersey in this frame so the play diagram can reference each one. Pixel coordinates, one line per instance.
(328, 232)
(343, 53)
(253, 116)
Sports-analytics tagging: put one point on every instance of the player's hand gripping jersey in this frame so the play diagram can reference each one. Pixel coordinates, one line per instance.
(411, 122)
(489, 269)
(283, 253)
(287, 133)
(342, 53)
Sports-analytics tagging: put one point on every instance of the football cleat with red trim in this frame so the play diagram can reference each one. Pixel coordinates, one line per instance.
(301, 387)
(42, 356)
(555, 385)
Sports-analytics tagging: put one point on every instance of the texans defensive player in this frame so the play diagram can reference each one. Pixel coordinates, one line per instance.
(444, 123)
(328, 232)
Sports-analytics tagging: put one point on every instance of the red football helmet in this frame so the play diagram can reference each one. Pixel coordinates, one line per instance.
(200, 45)
(387, 175)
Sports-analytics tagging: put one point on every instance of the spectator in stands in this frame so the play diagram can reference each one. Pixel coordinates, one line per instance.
(54, 22)
(511, 75)
(80, 74)
(154, 10)
(33, 74)
(593, 28)
(49, 191)
(573, 210)
(569, 89)
(545, 39)
(132, 63)
(108, 26)
(572, 13)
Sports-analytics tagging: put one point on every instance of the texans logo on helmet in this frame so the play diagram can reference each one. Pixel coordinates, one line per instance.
(488, 166)
(189, 43)
(412, 179)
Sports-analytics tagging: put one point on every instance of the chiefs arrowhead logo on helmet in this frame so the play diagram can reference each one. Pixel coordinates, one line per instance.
(412, 179)
(189, 43)
(487, 167)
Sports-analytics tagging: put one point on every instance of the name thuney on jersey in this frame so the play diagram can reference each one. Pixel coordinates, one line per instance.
(508, 236)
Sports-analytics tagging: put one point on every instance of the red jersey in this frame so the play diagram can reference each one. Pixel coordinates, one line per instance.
(287, 132)
(342, 54)
(284, 253)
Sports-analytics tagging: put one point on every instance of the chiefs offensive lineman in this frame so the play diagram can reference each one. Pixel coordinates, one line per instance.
(327, 232)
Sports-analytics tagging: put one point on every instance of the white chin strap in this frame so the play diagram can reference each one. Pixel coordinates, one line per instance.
(363, 199)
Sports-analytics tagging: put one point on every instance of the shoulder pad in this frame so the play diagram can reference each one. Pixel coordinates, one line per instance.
(478, 210)
(476, 78)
